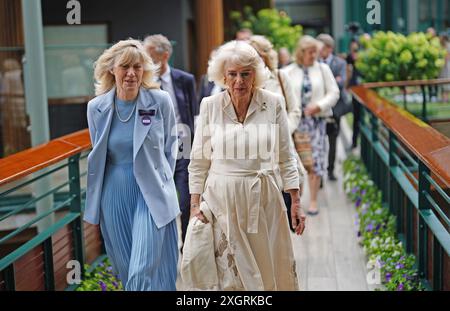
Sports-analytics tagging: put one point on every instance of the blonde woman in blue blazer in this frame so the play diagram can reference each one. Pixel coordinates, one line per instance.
(130, 189)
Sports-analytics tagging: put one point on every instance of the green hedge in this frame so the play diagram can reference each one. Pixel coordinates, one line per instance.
(377, 231)
(392, 56)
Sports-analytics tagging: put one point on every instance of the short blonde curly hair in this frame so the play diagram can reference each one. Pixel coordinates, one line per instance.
(238, 53)
(305, 43)
(124, 52)
(265, 49)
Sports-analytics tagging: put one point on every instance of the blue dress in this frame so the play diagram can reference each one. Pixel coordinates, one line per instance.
(144, 257)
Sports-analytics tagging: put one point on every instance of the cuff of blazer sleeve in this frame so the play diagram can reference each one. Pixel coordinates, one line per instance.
(196, 189)
(291, 184)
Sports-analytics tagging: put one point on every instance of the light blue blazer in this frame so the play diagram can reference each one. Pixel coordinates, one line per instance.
(154, 154)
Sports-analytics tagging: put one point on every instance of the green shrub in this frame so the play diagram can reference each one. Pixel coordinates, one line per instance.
(377, 231)
(101, 278)
(392, 56)
(273, 24)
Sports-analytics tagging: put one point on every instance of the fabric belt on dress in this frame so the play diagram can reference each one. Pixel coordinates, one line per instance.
(255, 192)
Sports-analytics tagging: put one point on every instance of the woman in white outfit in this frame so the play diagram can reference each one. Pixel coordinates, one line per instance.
(317, 93)
(239, 162)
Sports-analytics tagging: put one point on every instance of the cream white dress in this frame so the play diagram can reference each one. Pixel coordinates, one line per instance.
(240, 169)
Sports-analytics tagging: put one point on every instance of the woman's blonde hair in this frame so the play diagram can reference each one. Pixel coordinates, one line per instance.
(303, 44)
(238, 53)
(124, 52)
(265, 49)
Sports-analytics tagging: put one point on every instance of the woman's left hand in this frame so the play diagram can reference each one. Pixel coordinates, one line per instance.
(311, 110)
(298, 217)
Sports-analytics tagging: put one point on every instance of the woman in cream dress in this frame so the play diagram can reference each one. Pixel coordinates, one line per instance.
(240, 161)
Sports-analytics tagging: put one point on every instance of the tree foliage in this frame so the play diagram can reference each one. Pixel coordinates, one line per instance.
(273, 24)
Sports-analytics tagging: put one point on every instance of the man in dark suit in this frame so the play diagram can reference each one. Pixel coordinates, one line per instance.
(207, 88)
(181, 87)
(338, 66)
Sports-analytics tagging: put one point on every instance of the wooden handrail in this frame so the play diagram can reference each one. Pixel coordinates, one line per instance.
(76, 100)
(34, 159)
(430, 146)
(373, 85)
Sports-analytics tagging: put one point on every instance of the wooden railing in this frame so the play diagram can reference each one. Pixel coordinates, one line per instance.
(410, 163)
(39, 262)
(428, 90)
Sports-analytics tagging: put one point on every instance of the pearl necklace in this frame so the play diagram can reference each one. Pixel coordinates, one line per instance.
(118, 115)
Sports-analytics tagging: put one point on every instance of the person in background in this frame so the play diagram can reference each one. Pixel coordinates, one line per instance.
(130, 189)
(279, 83)
(243, 34)
(181, 88)
(206, 87)
(445, 72)
(317, 92)
(338, 67)
(431, 32)
(354, 78)
(284, 58)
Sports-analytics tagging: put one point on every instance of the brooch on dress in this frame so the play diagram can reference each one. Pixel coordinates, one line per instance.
(145, 116)
(264, 106)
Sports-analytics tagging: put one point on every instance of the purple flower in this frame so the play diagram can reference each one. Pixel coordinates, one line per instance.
(369, 227)
(388, 277)
(359, 234)
(377, 228)
(358, 202)
(400, 287)
(101, 264)
(116, 285)
(109, 269)
(355, 189)
(399, 266)
(363, 192)
(102, 285)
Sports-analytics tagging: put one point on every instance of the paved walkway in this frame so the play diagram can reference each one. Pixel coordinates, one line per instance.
(328, 254)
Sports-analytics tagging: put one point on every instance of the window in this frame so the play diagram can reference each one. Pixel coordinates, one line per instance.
(70, 52)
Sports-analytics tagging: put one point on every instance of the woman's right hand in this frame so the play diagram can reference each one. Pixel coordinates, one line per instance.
(195, 208)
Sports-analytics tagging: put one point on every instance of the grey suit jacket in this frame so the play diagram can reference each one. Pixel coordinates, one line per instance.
(154, 154)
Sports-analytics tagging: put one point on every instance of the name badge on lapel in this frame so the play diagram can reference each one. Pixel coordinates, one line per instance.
(146, 116)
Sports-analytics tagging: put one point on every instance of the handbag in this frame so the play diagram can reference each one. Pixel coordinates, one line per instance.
(302, 141)
(343, 106)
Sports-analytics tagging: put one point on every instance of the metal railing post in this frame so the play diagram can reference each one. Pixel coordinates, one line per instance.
(75, 207)
(373, 153)
(49, 274)
(10, 281)
(392, 164)
(424, 187)
(424, 103)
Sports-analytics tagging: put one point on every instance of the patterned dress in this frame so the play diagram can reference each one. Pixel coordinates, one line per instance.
(316, 128)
